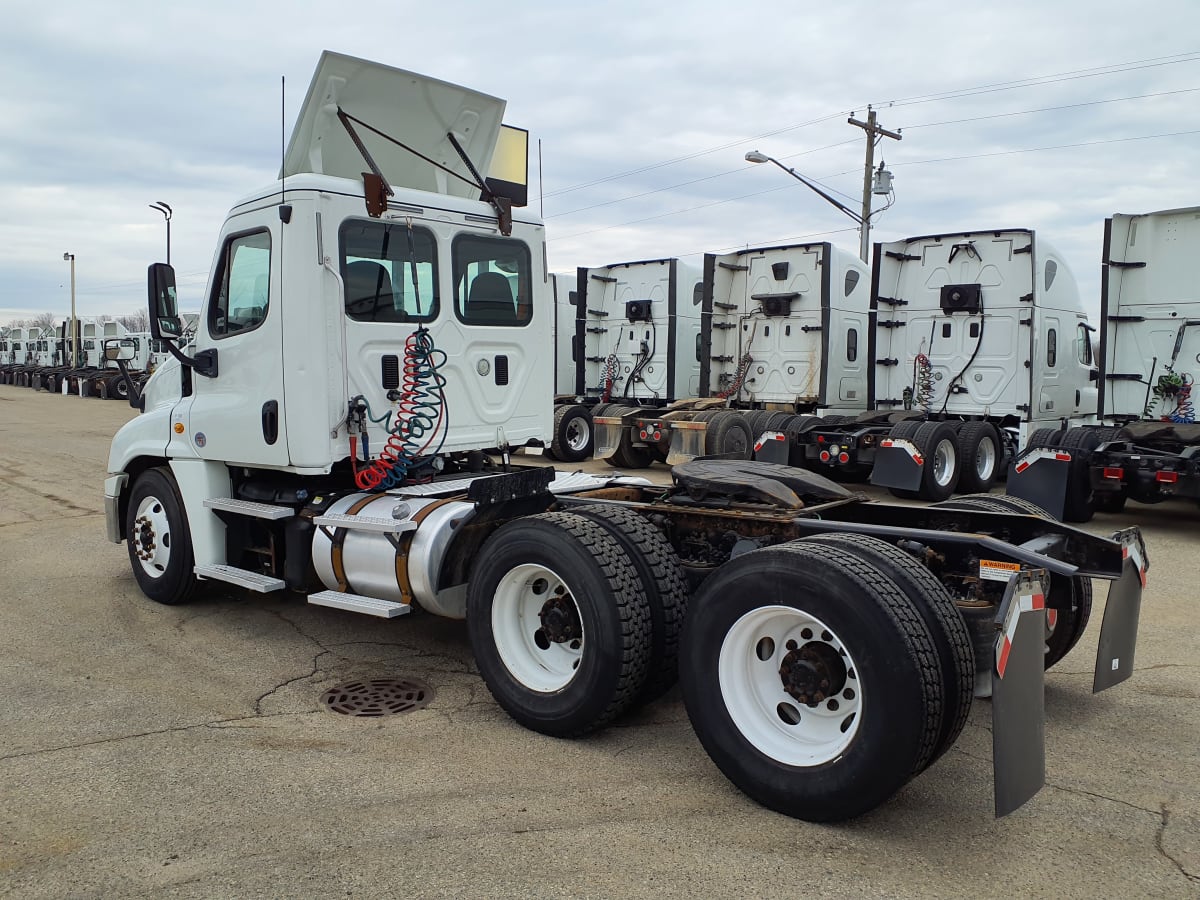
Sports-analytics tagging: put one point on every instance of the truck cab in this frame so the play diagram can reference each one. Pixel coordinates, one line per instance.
(334, 295)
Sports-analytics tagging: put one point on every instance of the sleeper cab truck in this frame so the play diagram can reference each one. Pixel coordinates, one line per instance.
(976, 340)
(781, 335)
(1146, 446)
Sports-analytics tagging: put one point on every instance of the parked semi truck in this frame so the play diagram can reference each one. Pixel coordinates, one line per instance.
(1146, 446)
(977, 339)
(364, 338)
(781, 333)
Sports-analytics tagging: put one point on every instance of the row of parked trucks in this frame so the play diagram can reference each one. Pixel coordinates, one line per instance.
(345, 424)
(929, 372)
(42, 358)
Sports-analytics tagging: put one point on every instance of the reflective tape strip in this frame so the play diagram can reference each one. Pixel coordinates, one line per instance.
(1024, 603)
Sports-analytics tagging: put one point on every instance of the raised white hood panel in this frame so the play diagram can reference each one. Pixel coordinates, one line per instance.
(414, 109)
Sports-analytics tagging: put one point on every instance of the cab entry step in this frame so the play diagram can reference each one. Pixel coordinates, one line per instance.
(370, 606)
(254, 581)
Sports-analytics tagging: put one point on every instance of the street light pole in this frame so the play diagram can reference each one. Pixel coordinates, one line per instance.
(755, 156)
(71, 342)
(166, 211)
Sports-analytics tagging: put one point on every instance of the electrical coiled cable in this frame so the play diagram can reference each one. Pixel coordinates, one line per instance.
(1185, 412)
(923, 383)
(419, 418)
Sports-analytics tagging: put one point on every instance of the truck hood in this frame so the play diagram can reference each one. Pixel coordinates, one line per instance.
(415, 110)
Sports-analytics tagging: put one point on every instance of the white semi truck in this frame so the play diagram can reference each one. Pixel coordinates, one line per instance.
(364, 339)
(1146, 446)
(779, 332)
(977, 339)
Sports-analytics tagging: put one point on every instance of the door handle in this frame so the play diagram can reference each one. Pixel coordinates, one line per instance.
(270, 421)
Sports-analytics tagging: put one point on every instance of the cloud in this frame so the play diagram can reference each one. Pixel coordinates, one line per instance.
(106, 112)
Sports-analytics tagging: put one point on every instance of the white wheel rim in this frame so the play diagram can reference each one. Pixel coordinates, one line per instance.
(151, 537)
(773, 720)
(538, 663)
(944, 459)
(578, 434)
(985, 459)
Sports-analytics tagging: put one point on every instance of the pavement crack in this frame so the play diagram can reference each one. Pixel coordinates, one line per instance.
(1081, 792)
(41, 751)
(1162, 850)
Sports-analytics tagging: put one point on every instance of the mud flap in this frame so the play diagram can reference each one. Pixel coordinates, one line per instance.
(687, 441)
(1118, 633)
(607, 431)
(1018, 693)
(773, 447)
(898, 464)
(1040, 476)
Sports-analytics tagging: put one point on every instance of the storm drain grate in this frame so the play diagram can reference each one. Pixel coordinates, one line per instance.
(378, 697)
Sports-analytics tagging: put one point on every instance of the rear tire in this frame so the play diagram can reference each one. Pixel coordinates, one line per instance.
(558, 623)
(979, 445)
(811, 681)
(662, 579)
(1065, 621)
(728, 432)
(938, 444)
(1078, 505)
(574, 437)
(952, 641)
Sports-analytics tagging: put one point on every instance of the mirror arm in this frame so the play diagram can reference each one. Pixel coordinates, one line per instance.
(204, 362)
(135, 396)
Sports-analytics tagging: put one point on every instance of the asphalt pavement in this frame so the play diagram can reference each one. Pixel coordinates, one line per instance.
(148, 750)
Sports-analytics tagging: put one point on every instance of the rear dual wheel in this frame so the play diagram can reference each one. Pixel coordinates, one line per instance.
(811, 680)
(574, 435)
(559, 623)
(1069, 599)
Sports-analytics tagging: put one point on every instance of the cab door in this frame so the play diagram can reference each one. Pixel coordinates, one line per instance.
(237, 417)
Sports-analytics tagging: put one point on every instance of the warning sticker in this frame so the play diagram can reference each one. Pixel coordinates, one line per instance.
(994, 570)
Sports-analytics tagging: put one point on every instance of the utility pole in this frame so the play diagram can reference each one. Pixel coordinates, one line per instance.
(873, 130)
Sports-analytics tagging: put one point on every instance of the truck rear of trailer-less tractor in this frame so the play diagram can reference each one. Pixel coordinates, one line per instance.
(977, 339)
(326, 435)
(781, 334)
(1147, 448)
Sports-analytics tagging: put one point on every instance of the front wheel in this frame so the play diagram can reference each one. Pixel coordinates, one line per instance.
(810, 680)
(159, 542)
(559, 623)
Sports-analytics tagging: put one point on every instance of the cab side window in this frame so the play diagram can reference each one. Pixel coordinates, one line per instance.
(1083, 345)
(243, 285)
(493, 283)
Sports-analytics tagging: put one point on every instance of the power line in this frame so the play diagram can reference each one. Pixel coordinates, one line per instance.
(693, 181)
(671, 162)
(1040, 80)
(1033, 81)
(849, 171)
(1144, 137)
(1025, 112)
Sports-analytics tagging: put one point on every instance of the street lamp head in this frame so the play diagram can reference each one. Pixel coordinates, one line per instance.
(68, 256)
(755, 156)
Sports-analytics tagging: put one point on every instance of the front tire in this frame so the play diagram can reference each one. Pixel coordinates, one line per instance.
(559, 623)
(811, 681)
(158, 539)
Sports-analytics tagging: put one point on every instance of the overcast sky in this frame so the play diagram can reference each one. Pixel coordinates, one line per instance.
(1049, 115)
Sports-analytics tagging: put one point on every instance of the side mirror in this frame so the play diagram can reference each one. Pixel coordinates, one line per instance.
(165, 323)
(118, 349)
